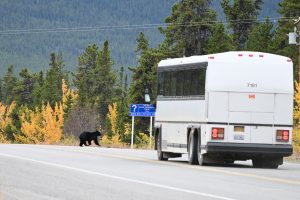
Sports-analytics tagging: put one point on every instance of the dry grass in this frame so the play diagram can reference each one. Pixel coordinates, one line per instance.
(115, 142)
(70, 140)
(295, 157)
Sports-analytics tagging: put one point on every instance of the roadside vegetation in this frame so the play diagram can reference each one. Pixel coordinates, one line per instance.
(56, 106)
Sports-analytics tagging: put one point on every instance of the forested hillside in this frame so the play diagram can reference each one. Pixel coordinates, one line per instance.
(32, 49)
(46, 104)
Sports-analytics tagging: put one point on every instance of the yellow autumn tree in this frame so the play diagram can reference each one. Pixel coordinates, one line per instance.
(67, 93)
(5, 120)
(59, 113)
(51, 125)
(42, 126)
(296, 131)
(45, 125)
(112, 116)
(31, 127)
(114, 140)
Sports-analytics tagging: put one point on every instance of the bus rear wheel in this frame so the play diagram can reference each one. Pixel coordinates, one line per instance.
(193, 149)
(268, 163)
(160, 153)
(200, 158)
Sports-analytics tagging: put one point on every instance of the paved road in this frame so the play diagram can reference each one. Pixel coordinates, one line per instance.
(61, 172)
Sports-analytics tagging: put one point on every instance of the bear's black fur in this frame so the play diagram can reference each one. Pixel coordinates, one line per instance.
(88, 137)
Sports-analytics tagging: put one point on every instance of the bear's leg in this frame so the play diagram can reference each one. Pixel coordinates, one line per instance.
(90, 142)
(96, 142)
(81, 143)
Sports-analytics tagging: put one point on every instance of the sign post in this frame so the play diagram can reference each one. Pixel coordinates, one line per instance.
(150, 131)
(132, 131)
(141, 110)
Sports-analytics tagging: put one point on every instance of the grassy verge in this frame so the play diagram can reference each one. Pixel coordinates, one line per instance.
(72, 140)
(294, 158)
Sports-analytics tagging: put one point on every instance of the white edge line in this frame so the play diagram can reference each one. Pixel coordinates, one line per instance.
(120, 178)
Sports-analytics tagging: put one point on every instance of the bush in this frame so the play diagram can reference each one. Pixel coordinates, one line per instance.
(69, 140)
(296, 140)
(113, 142)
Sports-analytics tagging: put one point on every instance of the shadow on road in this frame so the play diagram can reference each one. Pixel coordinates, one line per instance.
(217, 165)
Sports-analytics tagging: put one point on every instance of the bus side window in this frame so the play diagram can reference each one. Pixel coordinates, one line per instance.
(173, 83)
(187, 83)
(195, 87)
(201, 78)
(167, 83)
(160, 83)
(179, 83)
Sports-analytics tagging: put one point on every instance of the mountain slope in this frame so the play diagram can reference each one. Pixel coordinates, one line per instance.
(33, 50)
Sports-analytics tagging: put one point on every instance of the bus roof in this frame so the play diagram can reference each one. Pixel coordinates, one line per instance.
(231, 56)
(240, 70)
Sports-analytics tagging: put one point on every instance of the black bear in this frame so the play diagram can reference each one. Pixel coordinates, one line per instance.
(88, 137)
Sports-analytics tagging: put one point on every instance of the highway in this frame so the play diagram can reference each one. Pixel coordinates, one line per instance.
(69, 172)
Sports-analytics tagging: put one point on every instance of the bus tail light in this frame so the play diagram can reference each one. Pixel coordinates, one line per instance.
(217, 133)
(282, 135)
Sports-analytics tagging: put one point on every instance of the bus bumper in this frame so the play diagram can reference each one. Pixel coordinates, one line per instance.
(249, 149)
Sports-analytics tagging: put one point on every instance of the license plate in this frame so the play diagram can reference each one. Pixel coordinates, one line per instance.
(238, 137)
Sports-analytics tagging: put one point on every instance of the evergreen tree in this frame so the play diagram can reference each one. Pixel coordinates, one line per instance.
(68, 106)
(52, 91)
(220, 41)
(241, 15)
(9, 83)
(95, 79)
(83, 76)
(24, 89)
(126, 84)
(120, 91)
(0, 90)
(37, 92)
(144, 76)
(122, 103)
(189, 27)
(104, 80)
(261, 37)
(289, 10)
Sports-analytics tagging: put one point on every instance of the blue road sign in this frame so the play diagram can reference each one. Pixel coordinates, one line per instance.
(142, 110)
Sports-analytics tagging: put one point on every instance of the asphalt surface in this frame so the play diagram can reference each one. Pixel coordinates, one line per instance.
(63, 172)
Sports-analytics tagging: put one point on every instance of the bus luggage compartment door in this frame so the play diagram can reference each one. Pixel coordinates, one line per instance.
(256, 111)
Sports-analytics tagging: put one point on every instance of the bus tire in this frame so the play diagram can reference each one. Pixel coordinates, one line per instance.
(266, 163)
(271, 166)
(200, 159)
(160, 153)
(257, 163)
(200, 156)
(193, 149)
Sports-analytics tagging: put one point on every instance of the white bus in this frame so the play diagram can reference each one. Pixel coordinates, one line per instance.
(225, 107)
